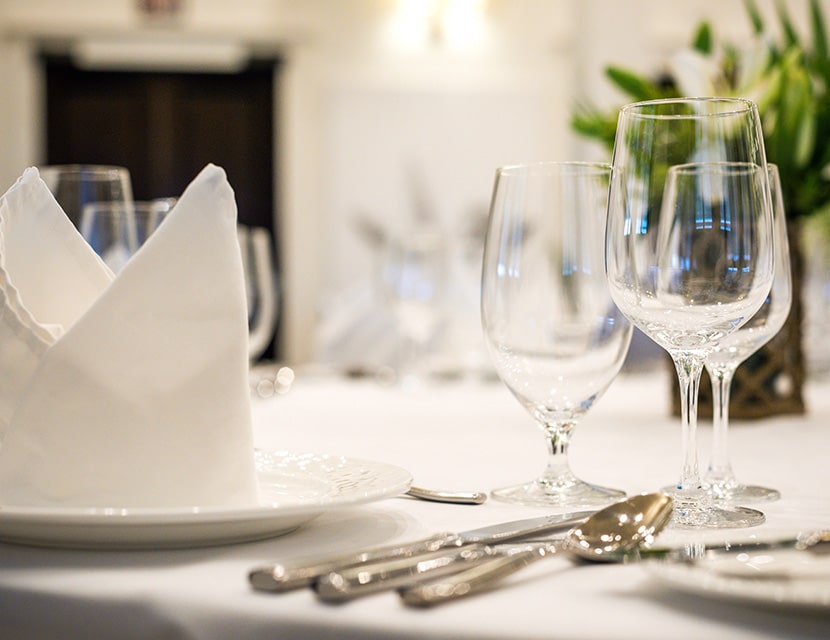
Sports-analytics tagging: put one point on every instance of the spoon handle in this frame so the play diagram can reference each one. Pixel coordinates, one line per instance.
(478, 578)
(451, 497)
(354, 582)
(286, 576)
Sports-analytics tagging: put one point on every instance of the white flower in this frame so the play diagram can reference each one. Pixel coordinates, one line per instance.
(695, 74)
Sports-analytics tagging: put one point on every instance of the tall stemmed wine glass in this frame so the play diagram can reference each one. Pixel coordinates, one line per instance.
(555, 336)
(735, 348)
(689, 248)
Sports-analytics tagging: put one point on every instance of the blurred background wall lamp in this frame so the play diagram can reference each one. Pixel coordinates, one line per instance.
(452, 22)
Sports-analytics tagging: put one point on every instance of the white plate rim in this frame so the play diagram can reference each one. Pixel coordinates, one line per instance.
(699, 579)
(128, 528)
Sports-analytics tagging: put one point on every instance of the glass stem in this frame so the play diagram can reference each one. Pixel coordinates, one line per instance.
(689, 367)
(720, 469)
(558, 439)
(409, 360)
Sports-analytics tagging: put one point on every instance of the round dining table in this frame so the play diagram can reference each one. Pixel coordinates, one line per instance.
(461, 433)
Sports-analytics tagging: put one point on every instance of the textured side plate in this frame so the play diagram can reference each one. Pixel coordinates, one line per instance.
(294, 487)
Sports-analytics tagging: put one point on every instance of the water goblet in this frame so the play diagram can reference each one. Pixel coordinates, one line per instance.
(554, 335)
(689, 249)
(734, 349)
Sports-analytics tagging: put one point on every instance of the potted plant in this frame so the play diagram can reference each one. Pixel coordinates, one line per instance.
(788, 76)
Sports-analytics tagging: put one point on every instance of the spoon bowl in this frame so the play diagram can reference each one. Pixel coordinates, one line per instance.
(603, 537)
(621, 527)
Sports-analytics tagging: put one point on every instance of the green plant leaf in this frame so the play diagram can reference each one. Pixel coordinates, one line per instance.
(633, 84)
(790, 34)
(592, 123)
(754, 16)
(822, 68)
(805, 140)
(702, 40)
(792, 115)
(819, 31)
(770, 90)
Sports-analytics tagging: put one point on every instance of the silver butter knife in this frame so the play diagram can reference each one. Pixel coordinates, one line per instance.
(285, 576)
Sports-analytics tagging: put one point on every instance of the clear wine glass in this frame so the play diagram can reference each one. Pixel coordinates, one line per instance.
(116, 230)
(78, 185)
(554, 335)
(689, 249)
(735, 348)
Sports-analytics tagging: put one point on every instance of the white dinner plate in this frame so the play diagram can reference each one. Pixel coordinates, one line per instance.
(294, 488)
(783, 578)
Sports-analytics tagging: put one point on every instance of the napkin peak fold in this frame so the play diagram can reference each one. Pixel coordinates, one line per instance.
(130, 390)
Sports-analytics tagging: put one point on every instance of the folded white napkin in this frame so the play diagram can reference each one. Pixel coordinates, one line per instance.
(127, 391)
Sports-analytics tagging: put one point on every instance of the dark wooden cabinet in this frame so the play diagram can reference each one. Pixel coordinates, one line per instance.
(165, 127)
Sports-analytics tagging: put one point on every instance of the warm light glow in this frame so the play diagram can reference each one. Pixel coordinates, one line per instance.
(455, 23)
(462, 22)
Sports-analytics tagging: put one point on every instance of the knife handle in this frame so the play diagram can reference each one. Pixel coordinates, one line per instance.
(285, 576)
(473, 580)
(356, 581)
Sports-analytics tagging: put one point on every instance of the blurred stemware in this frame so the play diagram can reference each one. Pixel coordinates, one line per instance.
(413, 282)
(116, 230)
(735, 348)
(689, 249)
(261, 289)
(555, 337)
(77, 185)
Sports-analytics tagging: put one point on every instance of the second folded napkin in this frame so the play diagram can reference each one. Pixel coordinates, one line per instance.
(127, 391)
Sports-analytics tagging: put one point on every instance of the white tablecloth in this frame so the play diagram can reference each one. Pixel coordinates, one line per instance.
(463, 435)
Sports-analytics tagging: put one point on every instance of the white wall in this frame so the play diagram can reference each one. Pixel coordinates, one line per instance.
(369, 110)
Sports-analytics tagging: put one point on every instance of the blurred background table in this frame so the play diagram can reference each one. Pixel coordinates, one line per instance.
(460, 435)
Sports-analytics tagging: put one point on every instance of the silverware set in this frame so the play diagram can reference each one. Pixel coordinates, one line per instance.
(447, 566)
(472, 561)
(409, 560)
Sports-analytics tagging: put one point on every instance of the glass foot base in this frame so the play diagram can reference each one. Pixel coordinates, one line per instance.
(733, 493)
(736, 493)
(702, 512)
(569, 494)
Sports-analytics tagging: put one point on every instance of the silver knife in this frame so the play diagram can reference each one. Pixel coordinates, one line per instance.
(815, 541)
(285, 576)
(482, 575)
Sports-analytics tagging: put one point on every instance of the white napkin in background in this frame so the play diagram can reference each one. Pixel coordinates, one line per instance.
(128, 391)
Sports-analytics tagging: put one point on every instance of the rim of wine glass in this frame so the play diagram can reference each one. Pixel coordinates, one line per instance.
(632, 108)
(83, 169)
(600, 167)
(725, 165)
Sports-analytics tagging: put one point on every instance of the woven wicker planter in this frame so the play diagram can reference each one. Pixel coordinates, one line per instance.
(771, 381)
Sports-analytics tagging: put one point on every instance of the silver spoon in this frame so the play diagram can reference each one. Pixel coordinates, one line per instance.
(623, 526)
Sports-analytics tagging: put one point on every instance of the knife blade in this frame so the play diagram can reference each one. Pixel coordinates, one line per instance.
(449, 585)
(289, 575)
(812, 541)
